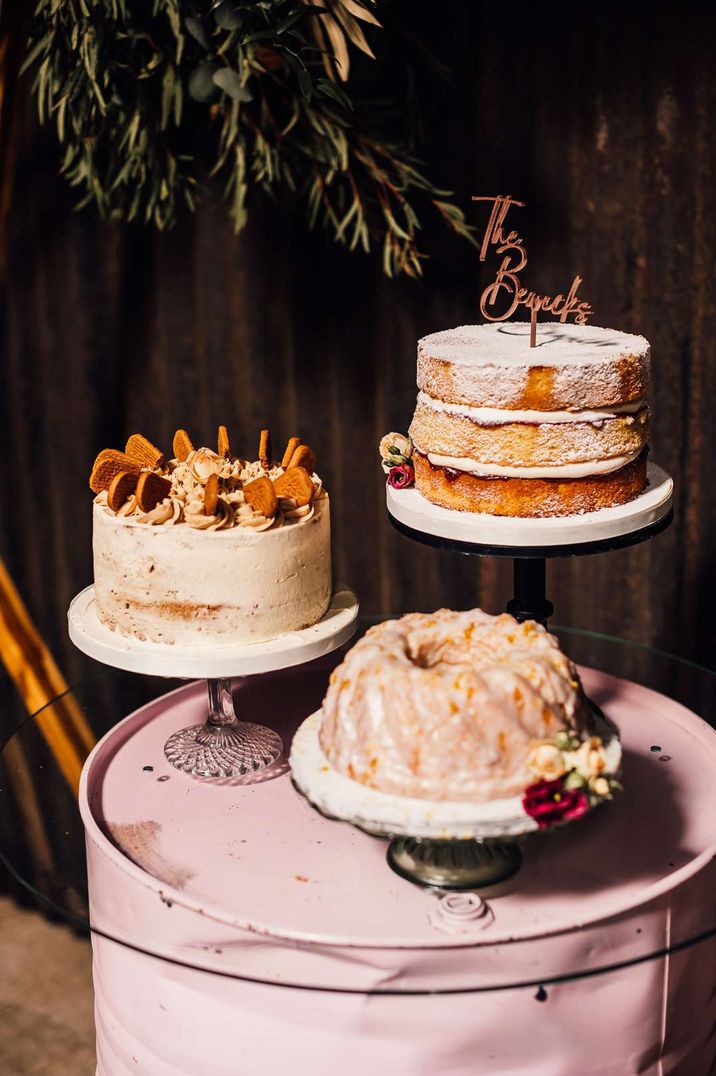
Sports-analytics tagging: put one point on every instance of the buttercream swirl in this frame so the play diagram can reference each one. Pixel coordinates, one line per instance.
(167, 511)
(185, 503)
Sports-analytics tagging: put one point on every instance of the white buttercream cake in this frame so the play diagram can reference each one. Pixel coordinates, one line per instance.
(207, 547)
(508, 429)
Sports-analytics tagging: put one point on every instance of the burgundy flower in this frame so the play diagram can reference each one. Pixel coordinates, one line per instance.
(401, 477)
(549, 802)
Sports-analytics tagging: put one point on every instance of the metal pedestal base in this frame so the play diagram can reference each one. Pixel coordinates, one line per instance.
(530, 601)
(454, 864)
(568, 536)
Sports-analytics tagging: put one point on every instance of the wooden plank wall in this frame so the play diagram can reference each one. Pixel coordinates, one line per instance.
(602, 119)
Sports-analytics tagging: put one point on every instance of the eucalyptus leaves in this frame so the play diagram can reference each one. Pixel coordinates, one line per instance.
(150, 97)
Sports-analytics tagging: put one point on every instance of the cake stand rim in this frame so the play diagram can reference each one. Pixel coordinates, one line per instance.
(536, 536)
(513, 825)
(99, 642)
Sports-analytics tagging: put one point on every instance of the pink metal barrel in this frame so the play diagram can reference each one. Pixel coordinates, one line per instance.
(238, 931)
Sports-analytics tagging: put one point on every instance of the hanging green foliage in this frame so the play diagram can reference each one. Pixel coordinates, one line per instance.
(148, 97)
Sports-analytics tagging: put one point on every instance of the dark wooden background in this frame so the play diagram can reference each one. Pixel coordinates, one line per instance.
(601, 117)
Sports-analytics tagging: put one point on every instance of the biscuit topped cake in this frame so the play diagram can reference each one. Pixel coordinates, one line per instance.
(206, 547)
(507, 429)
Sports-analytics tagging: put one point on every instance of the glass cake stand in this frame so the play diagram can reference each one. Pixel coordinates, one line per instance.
(222, 745)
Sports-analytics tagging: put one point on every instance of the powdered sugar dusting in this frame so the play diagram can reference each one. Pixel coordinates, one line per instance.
(508, 344)
(573, 367)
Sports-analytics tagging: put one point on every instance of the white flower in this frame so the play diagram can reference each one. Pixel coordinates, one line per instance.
(600, 786)
(394, 448)
(546, 761)
(590, 759)
(204, 462)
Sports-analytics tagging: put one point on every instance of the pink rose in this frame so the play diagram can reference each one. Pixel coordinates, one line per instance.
(550, 803)
(401, 477)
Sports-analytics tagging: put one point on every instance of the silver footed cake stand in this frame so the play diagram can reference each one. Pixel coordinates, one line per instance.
(440, 844)
(224, 745)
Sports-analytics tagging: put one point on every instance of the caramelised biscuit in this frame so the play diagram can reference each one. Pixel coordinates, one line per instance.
(295, 483)
(293, 443)
(151, 489)
(181, 445)
(265, 449)
(261, 496)
(121, 487)
(108, 464)
(142, 450)
(223, 444)
(305, 457)
(211, 494)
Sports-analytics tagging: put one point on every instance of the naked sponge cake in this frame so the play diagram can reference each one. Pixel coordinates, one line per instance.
(511, 430)
(205, 547)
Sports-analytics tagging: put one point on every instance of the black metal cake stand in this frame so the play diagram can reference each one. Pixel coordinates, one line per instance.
(529, 600)
(531, 543)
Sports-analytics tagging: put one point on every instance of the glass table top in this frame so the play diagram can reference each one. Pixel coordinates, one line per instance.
(104, 696)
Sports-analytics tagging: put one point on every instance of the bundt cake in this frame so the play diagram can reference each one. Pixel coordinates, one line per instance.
(459, 706)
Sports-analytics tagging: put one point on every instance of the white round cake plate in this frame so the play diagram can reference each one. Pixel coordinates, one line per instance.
(386, 815)
(210, 661)
(411, 509)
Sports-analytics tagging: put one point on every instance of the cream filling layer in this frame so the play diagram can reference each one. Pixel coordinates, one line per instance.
(563, 470)
(498, 416)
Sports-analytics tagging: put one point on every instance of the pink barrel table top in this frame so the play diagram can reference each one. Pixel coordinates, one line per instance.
(256, 856)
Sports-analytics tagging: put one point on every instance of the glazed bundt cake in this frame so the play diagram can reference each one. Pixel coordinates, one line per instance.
(451, 706)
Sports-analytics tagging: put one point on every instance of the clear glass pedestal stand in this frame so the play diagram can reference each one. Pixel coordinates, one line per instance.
(224, 746)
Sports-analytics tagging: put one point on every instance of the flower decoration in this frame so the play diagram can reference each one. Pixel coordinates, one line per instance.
(551, 802)
(205, 462)
(401, 477)
(547, 761)
(396, 453)
(571, 778)
(396, 444)
(589, 759)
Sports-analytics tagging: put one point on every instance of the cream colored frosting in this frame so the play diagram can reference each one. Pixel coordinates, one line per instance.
(449, 705)
(183, 585)
(564, 470)
(500, 416)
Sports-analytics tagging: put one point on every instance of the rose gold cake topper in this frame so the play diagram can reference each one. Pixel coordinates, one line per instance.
(512, 246)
